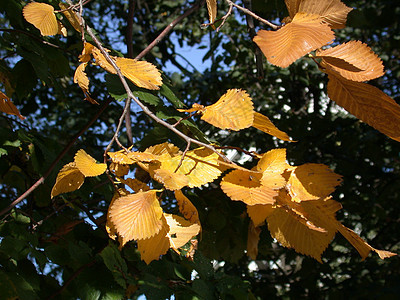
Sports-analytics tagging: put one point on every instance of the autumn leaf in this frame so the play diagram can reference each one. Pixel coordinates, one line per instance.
(186, 207)
(69, 179)
(82, 80)
(181, 231)
(253, 237)
(71, 16)
(135, 184)
(136, 216)
(367, 103)
(41, 16)
(332, 12)
(259, 212)
(245, 186)
(61, 29)
(163, 148)
(264, 124)
(102, 61)
(353, 60)
(86, 54)
(141, 73)
(212, 10)
(293, 7)
(172, 181)
(119, 170)
(87, 164)
(312, 181)
(273, 160)
(304, 34)
(8, 107)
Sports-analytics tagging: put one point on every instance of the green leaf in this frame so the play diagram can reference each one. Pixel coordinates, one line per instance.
(167, 92)
(115, 263)
(16, 143)
(3, 152)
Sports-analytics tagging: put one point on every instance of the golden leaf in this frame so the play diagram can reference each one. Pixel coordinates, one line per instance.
(253, 237)
(71, 16)
(312, 181)
(61, 29)
(353, 60)
(102, 61)
(333, 12)
(135, 184)
(86, 54)
(212, 10)
(195, 107)
(361, 246)
(87, 164)
(273, 160)
(264, 124)
(245, 186)
(367, 103)
(152, 248)
(163, 148)
(136, 216)
(304, 34)
(8, 107)
(234, 110)
(110, 228)
(41, 16)
(120, 157)
(186, 207)
(180, 230)
(118, 169)
(68, 179)
(82, 80)
(141, 73)
(172, 181)
(259, 212)
(293, 7)
(142, 156)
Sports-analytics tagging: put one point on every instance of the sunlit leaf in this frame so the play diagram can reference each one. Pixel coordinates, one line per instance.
(245, 186)
(234, 110)
(41, 16)
(135, 184)
(353, 60)
(61, 29)
(71, 16)
(163, 148)
(293, 6)
(312, 181)
(8, 107)
(119, 170)
(273, 160)
(180, 230)
(333, 12)
(264, 124)
(152, 248)
(186, 207)
(102, 61)
(82, 80)
(304, 34)
(137, 216)
(87, 164)
(136, 156)
(86, 54)
(212, 10)
(172, 181)
(68, 179)
(120, 157)
(259, 212)
(253, 237)
(141, 73)
(367, 103)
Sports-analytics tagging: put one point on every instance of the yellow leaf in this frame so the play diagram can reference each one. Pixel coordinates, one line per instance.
(152, 248)
(293, 7)
(367, 103)
(304, 34)
(186, 207)
(68, 179)
(118, 169)
(71, 16)
(195, 107)
(172, 181)
(110, 228)
(82, 80)
(312, 181)
(141, 73)
(361, 246)
(135, 184)
(259, 212)
(273, 160)
(87, 164)
(234, 110)
(163, 148)
(333, 12)
(253, 237)
(353, 60)
(8, 107)
(142, 156)
(86, 54)
(61, 29)
(212, 10)
(41, 16)
(120, 157)
(245, 186)
(137, 216)
(102, 61)
(181, 231)
(264, 124)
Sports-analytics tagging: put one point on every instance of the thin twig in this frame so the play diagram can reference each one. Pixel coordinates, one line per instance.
(58, 158)
(251, 153)
(183, 157)
(248, 12)
(224, 18)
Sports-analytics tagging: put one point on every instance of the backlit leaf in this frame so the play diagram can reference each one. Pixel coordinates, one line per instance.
(102, 61)
(87, 164)
(259, 212)
(212, 10)
(86, 54)
(245, 186)
(234, 110)
(8, 107)
(186, 207)
(312, 181)
(293, 6)
(120, 157)
(71, 16)
(135, 184)
(253, 237)
(264, 124)
(68, 179)
(137, 216)
(141, 73)
(304, 34)
(353, 60)
(333, 12)
(181, 231)
(137, 156)
(82, 80)
(163, 148)
(367, 103)
(41, 16)
(273, 160)
(172, 181)
(118, 169)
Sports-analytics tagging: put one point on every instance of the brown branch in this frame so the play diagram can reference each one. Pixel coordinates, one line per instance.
(58, 158)
(167, 29)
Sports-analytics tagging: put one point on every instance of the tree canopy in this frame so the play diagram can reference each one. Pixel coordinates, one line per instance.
(268, 167)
